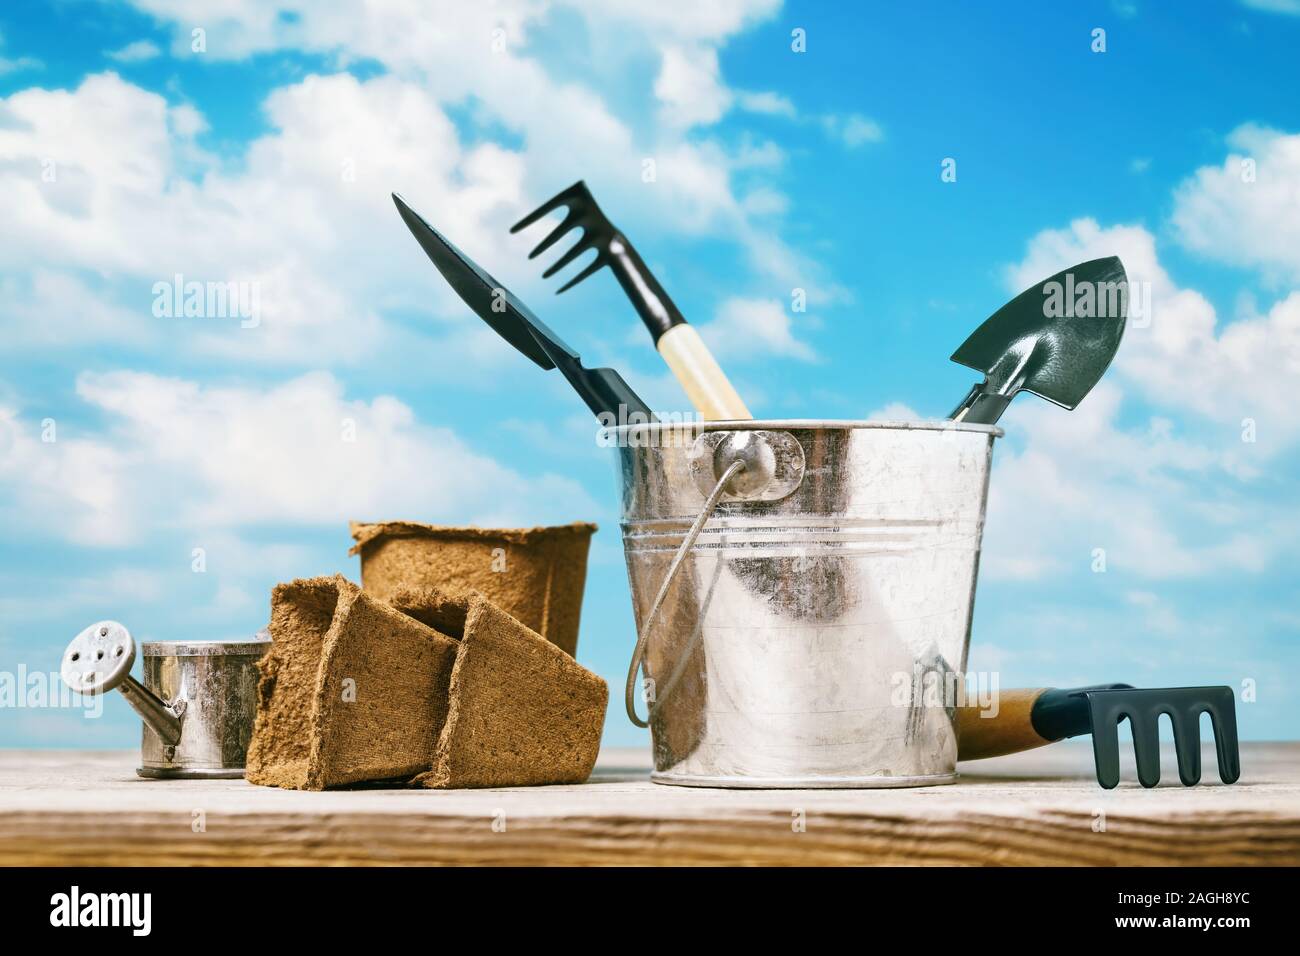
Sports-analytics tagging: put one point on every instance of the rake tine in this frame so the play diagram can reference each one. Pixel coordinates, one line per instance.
(1223, 716)
(595, 266)
(554, 235)
(564, 198)
(578, 248)
(686, 354)
(1105, 740)
(1145, 727)
(1187, 744)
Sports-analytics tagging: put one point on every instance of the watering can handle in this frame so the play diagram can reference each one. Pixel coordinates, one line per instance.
(638, 654)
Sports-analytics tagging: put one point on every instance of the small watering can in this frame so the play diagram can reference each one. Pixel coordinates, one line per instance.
(198, 699)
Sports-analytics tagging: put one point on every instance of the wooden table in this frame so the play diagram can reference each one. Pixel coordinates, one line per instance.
(1041, 807)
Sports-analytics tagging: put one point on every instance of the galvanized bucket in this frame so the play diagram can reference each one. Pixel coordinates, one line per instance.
(789, 607)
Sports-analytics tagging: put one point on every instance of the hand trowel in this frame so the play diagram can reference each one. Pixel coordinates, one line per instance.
(603, 389)
(1055, 340)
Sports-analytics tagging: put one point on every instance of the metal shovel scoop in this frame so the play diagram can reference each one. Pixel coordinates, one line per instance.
(1055, 340)
(603, 389)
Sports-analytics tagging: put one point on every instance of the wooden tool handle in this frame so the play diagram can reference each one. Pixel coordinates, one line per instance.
(982, 733)
(705, 384)
(1024, 719)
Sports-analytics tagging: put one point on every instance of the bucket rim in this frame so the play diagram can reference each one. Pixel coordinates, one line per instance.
(254, 646)
(847, 424)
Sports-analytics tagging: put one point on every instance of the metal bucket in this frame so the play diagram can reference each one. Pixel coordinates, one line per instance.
(788, 609)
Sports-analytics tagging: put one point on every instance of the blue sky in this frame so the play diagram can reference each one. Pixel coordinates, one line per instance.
(267, 157)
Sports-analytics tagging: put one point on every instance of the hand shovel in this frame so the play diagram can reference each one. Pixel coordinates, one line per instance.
(603, 389)
(1055, 340)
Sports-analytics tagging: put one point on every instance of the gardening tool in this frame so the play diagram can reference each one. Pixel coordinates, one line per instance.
(198, 699)
(788, 578)
(1055, 340)
(603, 389)
(1031, 718)
(679, 344)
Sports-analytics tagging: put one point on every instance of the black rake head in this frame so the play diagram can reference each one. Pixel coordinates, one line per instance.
(1143, 708)
(582, 212)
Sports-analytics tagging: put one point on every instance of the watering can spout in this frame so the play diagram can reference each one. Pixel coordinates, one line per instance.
(162, 719)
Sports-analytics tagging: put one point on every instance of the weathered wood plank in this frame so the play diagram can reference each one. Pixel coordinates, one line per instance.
(1038, 808)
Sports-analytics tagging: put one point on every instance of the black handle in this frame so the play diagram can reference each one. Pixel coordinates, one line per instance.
(652, 303)
(1058, 714)
(608, 395)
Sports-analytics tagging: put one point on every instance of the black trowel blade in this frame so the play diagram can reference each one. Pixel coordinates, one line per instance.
(1055, 339)
(492, 301)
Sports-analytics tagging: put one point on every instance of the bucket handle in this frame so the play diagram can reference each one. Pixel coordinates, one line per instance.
(638, 654)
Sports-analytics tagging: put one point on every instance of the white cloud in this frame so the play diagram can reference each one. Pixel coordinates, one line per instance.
(114, 586)
(137, 51)
(306, 218)
(1159, 506)
(853, 130)
(1246, 211)
(18, 64)
(765, 202)
(772, 104)
(858, 130)
(681, 19)
(176, 454)
(1183, 360)
(238, 28)
(894, 412)
(482, 54)
(304, 215)
(1162, 500)
(690, 88)
(52, 309)
(752, 154)
(746, 328)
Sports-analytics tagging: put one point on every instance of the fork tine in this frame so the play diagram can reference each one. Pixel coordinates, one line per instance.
(554, 236)
(1187, 744)
(578, 248)
(1223, 717)
(1145, 726)
(563, 198)
(1105, 739)
(594, 266)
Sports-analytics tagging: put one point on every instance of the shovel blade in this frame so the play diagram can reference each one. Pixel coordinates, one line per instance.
(1055, 339)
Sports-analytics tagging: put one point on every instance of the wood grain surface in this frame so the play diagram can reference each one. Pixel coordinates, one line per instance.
(1036, 808)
